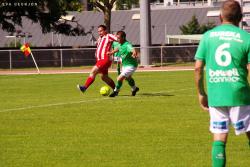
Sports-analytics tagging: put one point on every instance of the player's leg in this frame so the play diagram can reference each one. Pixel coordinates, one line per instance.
(248, 129)
(129, 72)
(91, 77)
(108, 80)
(126, 72)
(89, 80)
(240, 117)
(103, 70)
(134, 88)
(219, 150)
(118, 67)
(248, 136)
(118, 85)
(219, 122)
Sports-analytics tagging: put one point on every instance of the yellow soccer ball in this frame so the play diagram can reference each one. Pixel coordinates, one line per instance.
(105, 90)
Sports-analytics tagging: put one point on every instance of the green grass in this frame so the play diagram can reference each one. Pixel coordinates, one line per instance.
(175, 64)
(45, 121)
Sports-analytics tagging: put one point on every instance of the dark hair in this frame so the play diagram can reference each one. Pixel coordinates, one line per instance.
(102, 26)
(231, 11)
(122, 33)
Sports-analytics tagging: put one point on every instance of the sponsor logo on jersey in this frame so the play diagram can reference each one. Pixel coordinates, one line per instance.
(226, 35)
(217, 76)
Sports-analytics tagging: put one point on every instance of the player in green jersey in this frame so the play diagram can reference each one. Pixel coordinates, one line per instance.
(129, 64)
(116, 55)
(225, 53)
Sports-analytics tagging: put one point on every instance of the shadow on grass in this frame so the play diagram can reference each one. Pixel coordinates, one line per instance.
(155, 94)
(151, 94)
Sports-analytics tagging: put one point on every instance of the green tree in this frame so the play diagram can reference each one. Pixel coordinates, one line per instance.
(45, 12)
(194, 27)
(206, 27)
(73, 5)
(105, 6)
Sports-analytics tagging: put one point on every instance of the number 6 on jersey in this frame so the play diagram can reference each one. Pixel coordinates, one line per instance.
(220, 53)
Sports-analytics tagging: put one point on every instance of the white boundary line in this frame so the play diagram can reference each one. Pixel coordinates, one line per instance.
(81, 101)
(50, 105)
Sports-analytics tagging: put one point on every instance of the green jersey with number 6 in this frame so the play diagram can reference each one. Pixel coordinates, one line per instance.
(125, 52)
(225, 50)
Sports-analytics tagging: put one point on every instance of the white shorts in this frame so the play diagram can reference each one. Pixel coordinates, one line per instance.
(117, 59)
(221, 117)
(127, 71)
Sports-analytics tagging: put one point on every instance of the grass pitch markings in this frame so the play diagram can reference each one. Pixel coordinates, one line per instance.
(84, 101)
(87, 72)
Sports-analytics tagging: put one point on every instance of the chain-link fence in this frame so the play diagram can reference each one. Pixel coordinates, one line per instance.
(159, 55)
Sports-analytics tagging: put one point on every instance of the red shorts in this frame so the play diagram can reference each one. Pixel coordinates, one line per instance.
(103, 66)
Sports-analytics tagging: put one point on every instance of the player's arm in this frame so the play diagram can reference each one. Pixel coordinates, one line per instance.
(131, 49)
(248, 58)
(248, 69)
(110, 53)
(134, 53)
(199, 81)
(112, 37)
(200, 58)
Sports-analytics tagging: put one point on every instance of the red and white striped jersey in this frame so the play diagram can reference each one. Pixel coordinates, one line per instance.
(103, 46)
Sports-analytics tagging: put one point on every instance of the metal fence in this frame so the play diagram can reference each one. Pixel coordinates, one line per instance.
(159, 55)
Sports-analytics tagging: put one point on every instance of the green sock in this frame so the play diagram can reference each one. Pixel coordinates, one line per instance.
(118, 69)
(249, 143)
(218, 154)
(118, 85)
(131, 82)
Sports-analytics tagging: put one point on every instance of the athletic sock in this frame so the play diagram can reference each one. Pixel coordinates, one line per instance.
(218, 154)
(118, 85)
(131, 82)
(249, 143)
(133, 88)
(89, 81)
(118, 69)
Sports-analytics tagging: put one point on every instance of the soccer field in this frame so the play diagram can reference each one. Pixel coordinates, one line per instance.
(46, 121)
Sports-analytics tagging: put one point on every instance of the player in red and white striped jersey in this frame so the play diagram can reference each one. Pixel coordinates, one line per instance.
(103, 59)
(103, 46)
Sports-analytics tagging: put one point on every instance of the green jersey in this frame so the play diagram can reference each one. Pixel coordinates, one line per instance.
(225, 50)
(125, 51)
(114, 46)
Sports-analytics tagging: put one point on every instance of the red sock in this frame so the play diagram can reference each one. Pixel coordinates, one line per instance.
(89, 81)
